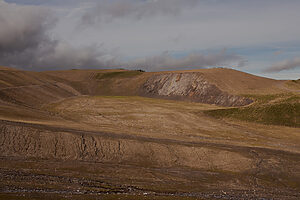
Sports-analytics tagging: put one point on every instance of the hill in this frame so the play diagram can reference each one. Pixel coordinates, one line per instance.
(225, 84)
(81, 134)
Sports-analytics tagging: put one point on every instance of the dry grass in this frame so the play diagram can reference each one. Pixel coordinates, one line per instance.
(154, 144)
(169, 119)
(293, 84)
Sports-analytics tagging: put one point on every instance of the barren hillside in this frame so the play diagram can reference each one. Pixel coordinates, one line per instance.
(200, 134)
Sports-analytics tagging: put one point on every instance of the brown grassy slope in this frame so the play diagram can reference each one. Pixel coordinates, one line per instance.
(35, 89)
(237, 82)
(155, 144)
(22, 93)
(32, 88)
(122, 82)
(293, 85)
(169, 119)
(83, 81)
(151, 143)
(14, 78)
(229, 80)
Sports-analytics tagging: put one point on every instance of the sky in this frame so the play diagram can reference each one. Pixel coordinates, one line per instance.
(258, 36)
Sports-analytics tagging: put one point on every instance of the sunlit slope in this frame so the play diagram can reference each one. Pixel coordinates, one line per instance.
(168, 119)
(237, 82)
(170, 143)
(149, 133)
(223, 87)
(213, 86)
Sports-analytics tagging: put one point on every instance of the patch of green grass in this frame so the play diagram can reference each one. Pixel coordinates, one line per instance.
(122, 74)
(262, 99)
(114, 97)
(284, 113)
(277, 109)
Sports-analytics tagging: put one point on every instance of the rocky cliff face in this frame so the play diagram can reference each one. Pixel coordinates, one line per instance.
(189, 86)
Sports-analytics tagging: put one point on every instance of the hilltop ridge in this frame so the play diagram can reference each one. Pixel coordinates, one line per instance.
(213, 86)
(60, 84)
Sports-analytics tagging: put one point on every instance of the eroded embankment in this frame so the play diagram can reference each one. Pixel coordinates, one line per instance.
(31, 142)
(189, 86)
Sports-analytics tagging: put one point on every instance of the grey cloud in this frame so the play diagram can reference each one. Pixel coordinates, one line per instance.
(22, 26)
(109, 10)
(192, 61)
(284, 65)
(48, 2)
(25, 42)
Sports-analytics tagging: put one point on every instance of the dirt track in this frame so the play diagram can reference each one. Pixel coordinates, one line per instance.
(97, 189)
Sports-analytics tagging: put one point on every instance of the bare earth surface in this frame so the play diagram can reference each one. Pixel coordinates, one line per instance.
(103, 134)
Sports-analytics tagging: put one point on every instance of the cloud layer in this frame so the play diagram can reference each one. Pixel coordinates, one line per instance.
(44, 35)
(25, 42)
(107, 11)
(285, 65)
